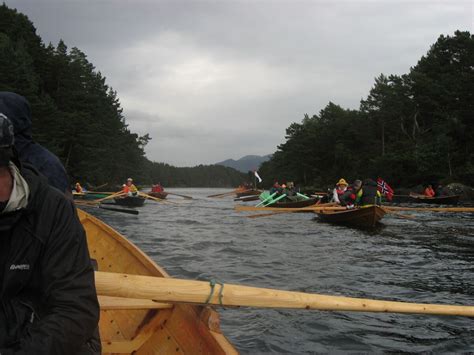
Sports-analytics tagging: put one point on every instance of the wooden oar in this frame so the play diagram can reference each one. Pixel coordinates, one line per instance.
(287, 210)
(310, 209)
(398, 214)
(172, 290)
(228, 193)
(183, 196)
(154, 198)
(117, 194)
(98, 187)
(430, 209)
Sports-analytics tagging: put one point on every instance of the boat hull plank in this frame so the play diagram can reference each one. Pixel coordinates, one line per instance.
(361, 217)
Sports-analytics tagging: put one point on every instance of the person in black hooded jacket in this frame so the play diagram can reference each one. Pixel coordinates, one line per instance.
(17, 109)
(48, 301)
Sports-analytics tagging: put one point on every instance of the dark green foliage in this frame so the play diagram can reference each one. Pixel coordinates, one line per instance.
(411, 129)
(78, 116)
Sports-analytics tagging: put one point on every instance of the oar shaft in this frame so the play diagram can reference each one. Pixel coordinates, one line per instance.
(197, 292)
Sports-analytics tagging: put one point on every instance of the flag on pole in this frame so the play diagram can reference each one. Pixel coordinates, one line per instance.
(385, 189)
(257, 176)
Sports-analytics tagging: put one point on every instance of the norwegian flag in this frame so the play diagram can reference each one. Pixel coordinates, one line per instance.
(385, 189)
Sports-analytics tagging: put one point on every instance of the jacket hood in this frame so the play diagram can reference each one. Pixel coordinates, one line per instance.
(17, 109)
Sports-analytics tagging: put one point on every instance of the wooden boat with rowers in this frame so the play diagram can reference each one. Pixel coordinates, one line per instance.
(364, 217)
(132, 326)
(438, 200)
(130, 201)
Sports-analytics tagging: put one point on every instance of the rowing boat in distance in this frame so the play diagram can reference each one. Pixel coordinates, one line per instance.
(130, 201)
(364, 217)
(161, 195)
(438, 200)
(132, 326)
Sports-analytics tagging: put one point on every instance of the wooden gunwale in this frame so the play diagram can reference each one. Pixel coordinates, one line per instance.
(130, 201)
(146, 327)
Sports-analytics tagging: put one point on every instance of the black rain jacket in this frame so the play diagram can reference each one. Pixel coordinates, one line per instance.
(18, 111)
(48, 301)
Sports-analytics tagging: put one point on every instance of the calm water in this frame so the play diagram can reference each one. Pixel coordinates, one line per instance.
(428, 259)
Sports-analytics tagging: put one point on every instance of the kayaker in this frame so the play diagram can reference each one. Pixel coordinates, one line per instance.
(429, 192)
(368, 194)
(339, 190)
(129, 188)
(17, 109)
(47, 289)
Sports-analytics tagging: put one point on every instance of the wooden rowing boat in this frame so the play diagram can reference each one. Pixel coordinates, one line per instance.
(366, 217)
(142, 326)
(439, 200)
(162, 195)
(130, 201)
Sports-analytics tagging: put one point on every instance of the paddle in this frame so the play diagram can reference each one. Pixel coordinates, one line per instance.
(183, 196)
(163, 289)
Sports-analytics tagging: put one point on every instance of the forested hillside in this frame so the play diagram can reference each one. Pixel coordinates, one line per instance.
(78, 116)
(410, 129)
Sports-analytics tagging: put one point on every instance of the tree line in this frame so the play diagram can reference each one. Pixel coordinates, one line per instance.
(411, 129)
(78, 117)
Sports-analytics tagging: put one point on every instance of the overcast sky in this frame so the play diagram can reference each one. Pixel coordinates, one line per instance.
(212, 80)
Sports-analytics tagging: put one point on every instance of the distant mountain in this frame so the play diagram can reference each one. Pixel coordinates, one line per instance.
(249, 162)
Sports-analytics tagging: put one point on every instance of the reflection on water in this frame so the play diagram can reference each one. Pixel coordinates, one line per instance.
(429, 258)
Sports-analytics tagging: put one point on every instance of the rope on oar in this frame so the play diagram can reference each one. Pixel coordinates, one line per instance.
(213, 283)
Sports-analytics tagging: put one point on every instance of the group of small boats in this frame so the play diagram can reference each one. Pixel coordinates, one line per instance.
(364, 217)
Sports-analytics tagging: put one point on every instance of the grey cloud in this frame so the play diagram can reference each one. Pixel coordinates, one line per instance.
(211, 80)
